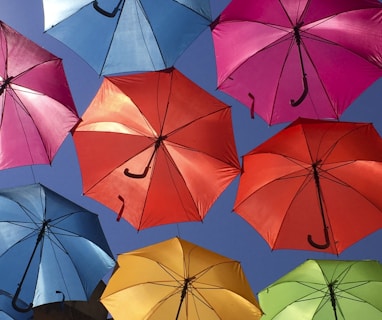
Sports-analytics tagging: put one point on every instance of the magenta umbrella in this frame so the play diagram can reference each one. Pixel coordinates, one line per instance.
(286, 59)
(37, 109)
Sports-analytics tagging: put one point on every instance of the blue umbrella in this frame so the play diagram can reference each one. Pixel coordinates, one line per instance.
(7, 312)
(50, 247)
(127, 35)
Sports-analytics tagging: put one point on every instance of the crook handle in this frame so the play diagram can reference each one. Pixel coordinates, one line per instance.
(136, 175)
(144, 173)
(303, 95)
(317, 245)
(104, 12)
(14, 302)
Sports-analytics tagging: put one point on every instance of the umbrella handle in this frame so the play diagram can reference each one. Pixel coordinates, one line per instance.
(326, 233)
(144, 173)
(136, 175)
(303, 95)
(14, 301)
(104, 12)
(317, 245)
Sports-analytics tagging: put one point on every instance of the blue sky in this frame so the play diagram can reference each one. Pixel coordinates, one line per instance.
(222, 231)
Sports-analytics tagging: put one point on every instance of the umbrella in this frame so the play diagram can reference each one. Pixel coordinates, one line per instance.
(92, 309)
(316, 55)
(156, 148)
(37, 109)
(127, 35)
(49, 245)
(314, 186)
(7, 312)
(326, 289)
(176, 279)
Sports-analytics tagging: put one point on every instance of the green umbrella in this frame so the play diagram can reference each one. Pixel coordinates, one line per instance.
(325, 290)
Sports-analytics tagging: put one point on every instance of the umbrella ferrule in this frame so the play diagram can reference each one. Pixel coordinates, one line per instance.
(315, 172)
(4, 85)
(185, 286)
(296, 32)
(159, 141)
(42, 230)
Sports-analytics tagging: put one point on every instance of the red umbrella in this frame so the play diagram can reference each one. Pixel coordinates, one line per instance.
(37, 109)
(156, 148)
(318, 55)
(316, 185)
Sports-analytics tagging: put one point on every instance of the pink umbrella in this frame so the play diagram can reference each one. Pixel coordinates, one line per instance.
(37, 109)
(286, 59)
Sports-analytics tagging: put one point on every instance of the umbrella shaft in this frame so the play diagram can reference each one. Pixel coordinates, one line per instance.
(183, 295)
(39, 238)
(333, 299)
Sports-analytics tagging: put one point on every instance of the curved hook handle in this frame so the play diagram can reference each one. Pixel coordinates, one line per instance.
(304, 94)
(144, 173)
(317, 245)
(136, 175)
(104, 12)
(14, 302)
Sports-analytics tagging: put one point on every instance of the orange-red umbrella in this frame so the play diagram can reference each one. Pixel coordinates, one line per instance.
(316, 185)
(156, 148)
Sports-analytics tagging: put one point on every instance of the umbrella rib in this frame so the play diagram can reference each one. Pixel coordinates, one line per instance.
(338, 140)
(279, 77)
(329, 42)
(286, 176)
(29, 235)
(109, 46)
(23, 107)
(356, 191)
(153, 34)
(190, 123)
(191, 9)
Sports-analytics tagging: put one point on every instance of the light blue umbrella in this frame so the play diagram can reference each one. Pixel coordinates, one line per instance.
(7, 312)
(119, 36)
(49, 247)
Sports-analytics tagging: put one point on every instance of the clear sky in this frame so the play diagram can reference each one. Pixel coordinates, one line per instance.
(222, 231)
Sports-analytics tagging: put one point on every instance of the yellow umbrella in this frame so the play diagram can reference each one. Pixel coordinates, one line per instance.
(176, 279)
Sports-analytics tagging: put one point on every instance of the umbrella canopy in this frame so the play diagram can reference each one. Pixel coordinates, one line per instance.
(92, 309)
(326, 289)
(127, 35)
(156, 148)
(49, 245)
(314, 186)
(7, 312)
(176, 279)
(305, 53)
(37, 109)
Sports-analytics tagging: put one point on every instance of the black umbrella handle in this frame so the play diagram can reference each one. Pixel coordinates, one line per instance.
(137, 175)
(319, 194)
(317, 245)
(303, 95)
(104, 12)
(144, 173)
(14, 302)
